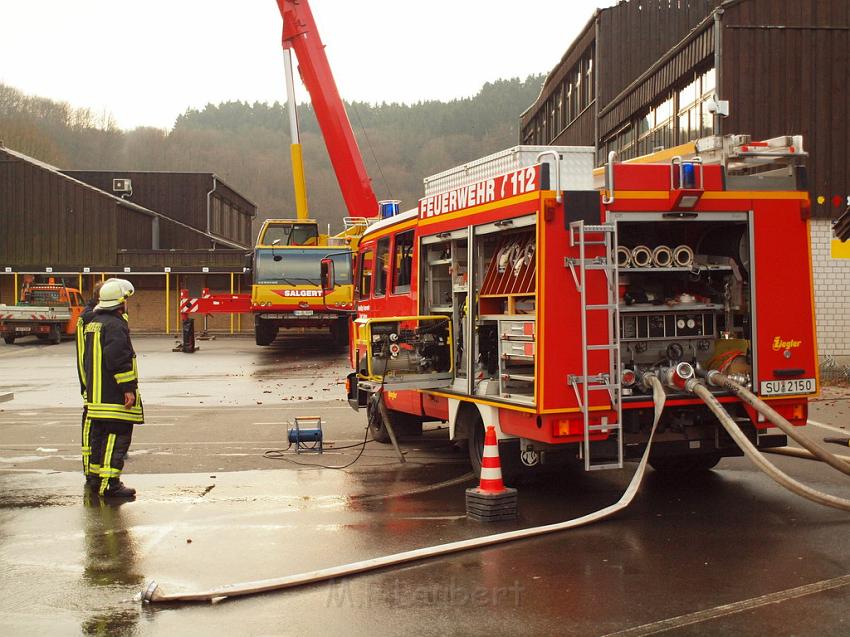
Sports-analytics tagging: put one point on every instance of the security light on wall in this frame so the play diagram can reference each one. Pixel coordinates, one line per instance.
(717, 107)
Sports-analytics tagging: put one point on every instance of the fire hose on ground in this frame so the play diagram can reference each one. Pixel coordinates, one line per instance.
(679, 377)
(696, 387)
(816, 449)
(153, 595)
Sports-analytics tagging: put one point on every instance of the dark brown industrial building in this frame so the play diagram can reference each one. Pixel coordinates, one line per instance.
(641, 74)
(200, 200)
(63, 224)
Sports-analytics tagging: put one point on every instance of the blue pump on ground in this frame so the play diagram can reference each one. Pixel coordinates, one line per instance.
(306, 434)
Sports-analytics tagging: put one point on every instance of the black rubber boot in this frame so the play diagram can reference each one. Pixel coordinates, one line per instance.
(119, 491)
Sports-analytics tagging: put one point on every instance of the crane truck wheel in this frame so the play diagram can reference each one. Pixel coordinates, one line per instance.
(684, 465)
(264, 334)
(10, 340)
(339, 332)
(55, 335)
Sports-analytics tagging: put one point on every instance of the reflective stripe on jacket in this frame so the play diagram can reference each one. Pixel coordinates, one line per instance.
(85, 317)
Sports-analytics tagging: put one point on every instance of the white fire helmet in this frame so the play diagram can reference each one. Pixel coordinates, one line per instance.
(113, 293)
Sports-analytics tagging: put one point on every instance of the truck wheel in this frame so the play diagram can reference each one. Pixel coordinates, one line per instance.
(339, 332)
(264, 334)
(55, 335)
(684, 465)
(403, 424)
(376, 422)
(512, 468)
(10, 340)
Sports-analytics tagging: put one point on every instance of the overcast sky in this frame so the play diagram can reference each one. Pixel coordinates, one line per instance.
(147, 61)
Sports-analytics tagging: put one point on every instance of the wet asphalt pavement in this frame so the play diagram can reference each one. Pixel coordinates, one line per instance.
(727, 553)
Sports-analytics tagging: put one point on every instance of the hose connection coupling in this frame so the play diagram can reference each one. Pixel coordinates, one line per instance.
(691, 384)
(744, 380)
(676, 377)
(645, 380)
(714, 378)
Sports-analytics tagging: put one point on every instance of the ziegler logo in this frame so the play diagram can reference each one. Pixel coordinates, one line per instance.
(298, 293)
(779, 344)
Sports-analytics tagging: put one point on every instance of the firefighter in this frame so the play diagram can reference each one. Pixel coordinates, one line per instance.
(112, 396)
(91, 473)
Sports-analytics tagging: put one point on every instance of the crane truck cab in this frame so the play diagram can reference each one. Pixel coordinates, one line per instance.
(286, 290)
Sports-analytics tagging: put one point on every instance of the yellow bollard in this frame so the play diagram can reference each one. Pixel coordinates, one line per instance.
(231, 294)
(167, 300)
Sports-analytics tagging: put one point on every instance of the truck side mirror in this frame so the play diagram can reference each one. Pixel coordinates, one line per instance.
(248, 263)
(328, 282)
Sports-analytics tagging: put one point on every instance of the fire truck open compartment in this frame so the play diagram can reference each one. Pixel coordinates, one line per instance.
(498, 325)
(685, 288)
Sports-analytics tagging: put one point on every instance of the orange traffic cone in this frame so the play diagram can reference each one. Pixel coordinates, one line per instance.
(491, 501)
(491, 466)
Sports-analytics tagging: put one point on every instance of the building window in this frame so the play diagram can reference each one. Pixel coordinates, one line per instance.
(589, 77)
(553, 120)
(663, 132)
(579, 92)
(562, 102)
(694, 119)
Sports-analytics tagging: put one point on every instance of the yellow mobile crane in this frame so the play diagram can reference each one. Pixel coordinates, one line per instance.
(286, 289)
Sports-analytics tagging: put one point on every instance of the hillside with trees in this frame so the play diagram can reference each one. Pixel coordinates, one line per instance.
(247, 145)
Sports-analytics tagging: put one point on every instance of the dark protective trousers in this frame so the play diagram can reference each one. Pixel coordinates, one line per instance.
(90, 470)
(109, 441)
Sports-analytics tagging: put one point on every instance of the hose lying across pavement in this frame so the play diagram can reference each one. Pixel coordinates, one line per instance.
(152, 594)
(793, 452)
(757, 458)
(774, 417)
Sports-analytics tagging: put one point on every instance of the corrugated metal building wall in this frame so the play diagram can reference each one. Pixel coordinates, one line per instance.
(784, 65)
(51, 220)
(787, 68)
(183, 196)
(48, 219)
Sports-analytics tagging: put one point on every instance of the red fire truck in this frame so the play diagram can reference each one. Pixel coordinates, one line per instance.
(520, 296)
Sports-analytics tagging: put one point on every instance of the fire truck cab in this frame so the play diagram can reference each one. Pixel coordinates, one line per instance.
(519, 295)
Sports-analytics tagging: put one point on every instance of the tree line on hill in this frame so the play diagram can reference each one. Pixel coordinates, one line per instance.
(247, 145)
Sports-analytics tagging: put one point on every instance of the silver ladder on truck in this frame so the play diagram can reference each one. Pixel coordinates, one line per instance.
(606, 379)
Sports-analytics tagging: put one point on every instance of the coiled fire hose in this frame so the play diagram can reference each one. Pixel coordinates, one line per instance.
(696, 387)
(641, 257)
(624, 257)
(152, 594)
(815, 448)
(662, 256)
(683, 256)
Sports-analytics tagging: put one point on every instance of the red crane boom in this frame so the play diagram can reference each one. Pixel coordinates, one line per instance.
(301, 35)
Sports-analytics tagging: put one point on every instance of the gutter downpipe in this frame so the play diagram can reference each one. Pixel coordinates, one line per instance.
(209, 210)
(718, 64)
(155, 233)
(595, 62)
